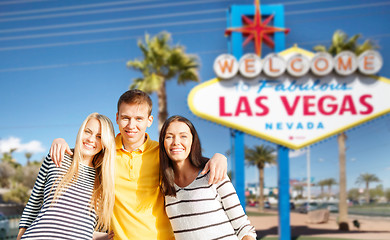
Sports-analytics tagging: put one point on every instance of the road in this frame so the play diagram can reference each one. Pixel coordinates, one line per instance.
(372, 228)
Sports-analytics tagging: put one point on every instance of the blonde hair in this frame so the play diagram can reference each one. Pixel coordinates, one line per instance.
(103, 197)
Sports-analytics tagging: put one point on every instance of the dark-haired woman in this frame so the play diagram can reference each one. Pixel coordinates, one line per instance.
(196, 209)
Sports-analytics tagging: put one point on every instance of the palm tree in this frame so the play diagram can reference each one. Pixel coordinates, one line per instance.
(343, 206)
(367, 178)
(322, 184)
(259, 156)
(330, 182)
(340, 42)
(162, 62)
(28, 157)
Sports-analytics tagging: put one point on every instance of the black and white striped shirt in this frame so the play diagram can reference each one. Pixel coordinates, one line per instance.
(203, 211)
(70, 217)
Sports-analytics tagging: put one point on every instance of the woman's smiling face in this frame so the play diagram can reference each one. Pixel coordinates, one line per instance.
(178, 141)
(91, 139)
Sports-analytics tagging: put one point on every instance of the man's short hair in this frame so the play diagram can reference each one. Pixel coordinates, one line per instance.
(136, 96)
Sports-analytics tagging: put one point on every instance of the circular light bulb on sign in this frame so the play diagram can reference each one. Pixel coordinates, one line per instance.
(298, 65)
(274, 65)
(345, 63)
(250, 65)
(321, 64)
(225, 66)
(370, 62)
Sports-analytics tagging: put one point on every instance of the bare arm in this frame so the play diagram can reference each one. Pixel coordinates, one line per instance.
(58, 149)
(21, 232)
(218, 168)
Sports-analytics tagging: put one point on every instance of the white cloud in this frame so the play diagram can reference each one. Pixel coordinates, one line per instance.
(297, 153)
(388, 169)
(353, 159)
(12, 142)
(321, 160)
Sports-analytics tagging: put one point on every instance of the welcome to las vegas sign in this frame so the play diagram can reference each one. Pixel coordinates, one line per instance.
(289, 109)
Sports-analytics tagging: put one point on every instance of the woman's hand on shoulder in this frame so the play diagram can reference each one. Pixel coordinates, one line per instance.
(58, 149)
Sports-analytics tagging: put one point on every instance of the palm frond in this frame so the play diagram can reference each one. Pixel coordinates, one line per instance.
(143, 49)
(136, 65)
(367, 177)
(148, 84)
(320, 48)
(340, 42)
(351, 44)
(339, 37)
(188, 75)
(367, 45)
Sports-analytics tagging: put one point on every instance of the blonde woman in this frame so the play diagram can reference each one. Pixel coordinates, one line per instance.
(71, 201)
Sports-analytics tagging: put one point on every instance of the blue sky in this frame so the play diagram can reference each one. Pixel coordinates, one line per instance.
(61, 60)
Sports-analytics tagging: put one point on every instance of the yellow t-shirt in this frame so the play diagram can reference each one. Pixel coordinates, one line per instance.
(139, 204)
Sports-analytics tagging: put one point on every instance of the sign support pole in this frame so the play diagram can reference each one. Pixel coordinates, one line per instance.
(284, 193)
(238, 136)
(239, 162)
(308, 180)
(234, 15)
(283, 159)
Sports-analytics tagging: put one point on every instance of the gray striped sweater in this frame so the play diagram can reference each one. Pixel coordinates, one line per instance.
(203, 211)
(68, 218)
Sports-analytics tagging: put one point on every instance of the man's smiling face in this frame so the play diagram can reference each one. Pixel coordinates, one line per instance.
(133, 120)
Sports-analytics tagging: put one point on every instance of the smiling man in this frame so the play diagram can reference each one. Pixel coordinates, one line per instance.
(139, 203)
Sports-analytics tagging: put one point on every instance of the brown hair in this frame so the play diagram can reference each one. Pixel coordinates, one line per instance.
(167, 174)
(136, 96)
